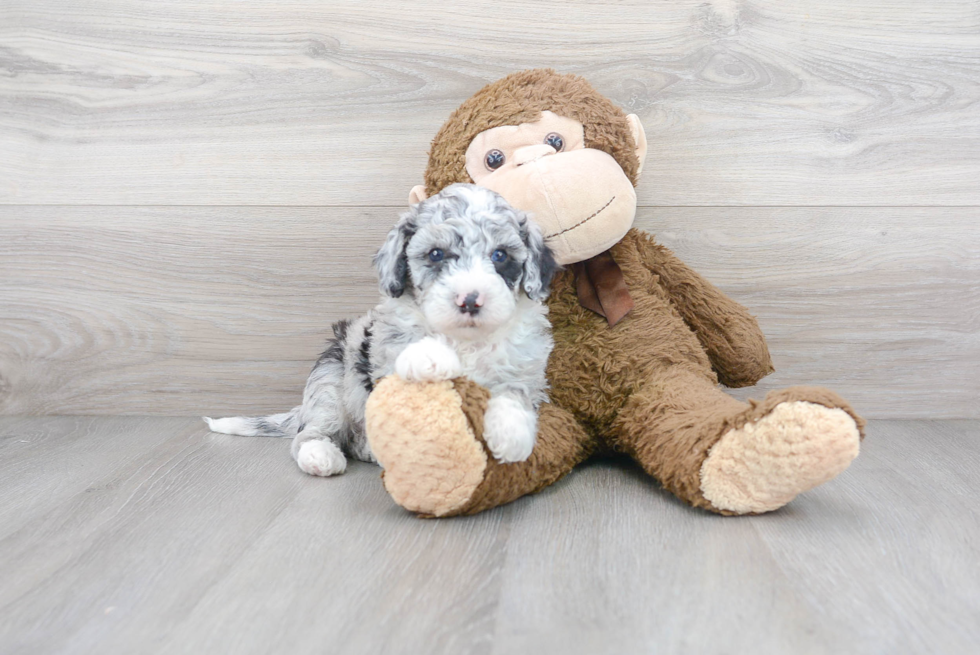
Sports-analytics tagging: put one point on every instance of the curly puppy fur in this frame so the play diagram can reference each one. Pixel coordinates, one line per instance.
(462, 275)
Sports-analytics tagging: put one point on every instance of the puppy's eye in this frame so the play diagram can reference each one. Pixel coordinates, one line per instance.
(494, 159)
(498, 256)
(555, 141)
(436, 255)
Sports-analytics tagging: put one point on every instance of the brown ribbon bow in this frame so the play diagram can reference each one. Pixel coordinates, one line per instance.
(601, 287)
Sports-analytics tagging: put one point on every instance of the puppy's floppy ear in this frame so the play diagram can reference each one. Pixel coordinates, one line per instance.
(391, 260)
(540, 265)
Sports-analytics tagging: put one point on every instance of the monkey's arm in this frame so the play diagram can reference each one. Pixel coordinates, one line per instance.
(729, 334)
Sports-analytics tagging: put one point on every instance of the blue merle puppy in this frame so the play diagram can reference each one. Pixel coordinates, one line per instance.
(462, 277)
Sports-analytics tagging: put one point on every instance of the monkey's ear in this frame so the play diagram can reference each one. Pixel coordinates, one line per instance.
(639, 138)
(540, 265)
(391, 260)
(417, 194)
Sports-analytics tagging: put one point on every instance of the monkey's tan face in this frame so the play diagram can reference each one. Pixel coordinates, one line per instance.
(580, 197)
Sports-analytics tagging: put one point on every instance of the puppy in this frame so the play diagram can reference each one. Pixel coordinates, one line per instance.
(462, 276)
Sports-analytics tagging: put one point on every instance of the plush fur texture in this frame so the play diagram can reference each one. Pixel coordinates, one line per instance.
(422, 469)
(762, 466)
(646, 386)
(462, 276)
(435, 467)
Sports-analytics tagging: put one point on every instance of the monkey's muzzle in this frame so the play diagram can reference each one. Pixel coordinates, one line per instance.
(581, 200)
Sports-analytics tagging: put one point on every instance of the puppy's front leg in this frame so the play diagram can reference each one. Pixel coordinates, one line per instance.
(510, 428)
(316, 454)
(428, 360)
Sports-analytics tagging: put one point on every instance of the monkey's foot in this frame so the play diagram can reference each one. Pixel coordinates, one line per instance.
(763, 465)
(429, 438)
(433, 462)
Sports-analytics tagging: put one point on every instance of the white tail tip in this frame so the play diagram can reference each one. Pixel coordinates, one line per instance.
(237, 425)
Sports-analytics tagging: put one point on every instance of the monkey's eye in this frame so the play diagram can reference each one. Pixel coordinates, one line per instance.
(499, 256)
(494, 159)
(436, 255)
(555, 141)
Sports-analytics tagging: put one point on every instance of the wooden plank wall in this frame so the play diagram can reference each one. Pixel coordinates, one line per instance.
(190, 192)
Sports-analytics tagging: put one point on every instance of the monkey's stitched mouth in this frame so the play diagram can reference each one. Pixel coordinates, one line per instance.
(581, 222)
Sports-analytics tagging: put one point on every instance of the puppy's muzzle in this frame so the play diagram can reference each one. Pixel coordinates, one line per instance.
(470, 303)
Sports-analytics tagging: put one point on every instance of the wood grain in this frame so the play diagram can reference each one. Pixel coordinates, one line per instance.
(311, 103)
(195, 542)
(827, 574)
(190, 193)
(882, 305)
(175, 311)
(78, 453)
(190, 311)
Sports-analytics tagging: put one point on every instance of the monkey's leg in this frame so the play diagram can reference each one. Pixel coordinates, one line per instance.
(428, 437)
(718, 453)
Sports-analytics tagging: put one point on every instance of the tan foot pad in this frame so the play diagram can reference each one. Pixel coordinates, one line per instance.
(762, 466)
(419, 433)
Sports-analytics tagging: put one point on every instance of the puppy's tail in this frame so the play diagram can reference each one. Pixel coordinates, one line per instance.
(275, 425)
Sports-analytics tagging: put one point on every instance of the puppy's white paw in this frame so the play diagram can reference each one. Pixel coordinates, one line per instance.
(510, 429)
(428, 360)
(321, 457)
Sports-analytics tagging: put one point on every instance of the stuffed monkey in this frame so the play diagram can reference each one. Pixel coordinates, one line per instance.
(641, 340)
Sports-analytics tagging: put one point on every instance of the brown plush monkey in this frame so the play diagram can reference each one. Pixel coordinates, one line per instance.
(641, 340)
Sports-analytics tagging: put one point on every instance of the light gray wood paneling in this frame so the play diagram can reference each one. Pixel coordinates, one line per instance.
(312, 103)
(880, 304)
(209, 543)
(222, 310)
(175, 311)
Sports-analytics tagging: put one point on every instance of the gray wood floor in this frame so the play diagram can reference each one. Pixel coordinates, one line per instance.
(145, 535)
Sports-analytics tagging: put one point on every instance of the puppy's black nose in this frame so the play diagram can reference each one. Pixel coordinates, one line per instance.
(469, 304)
